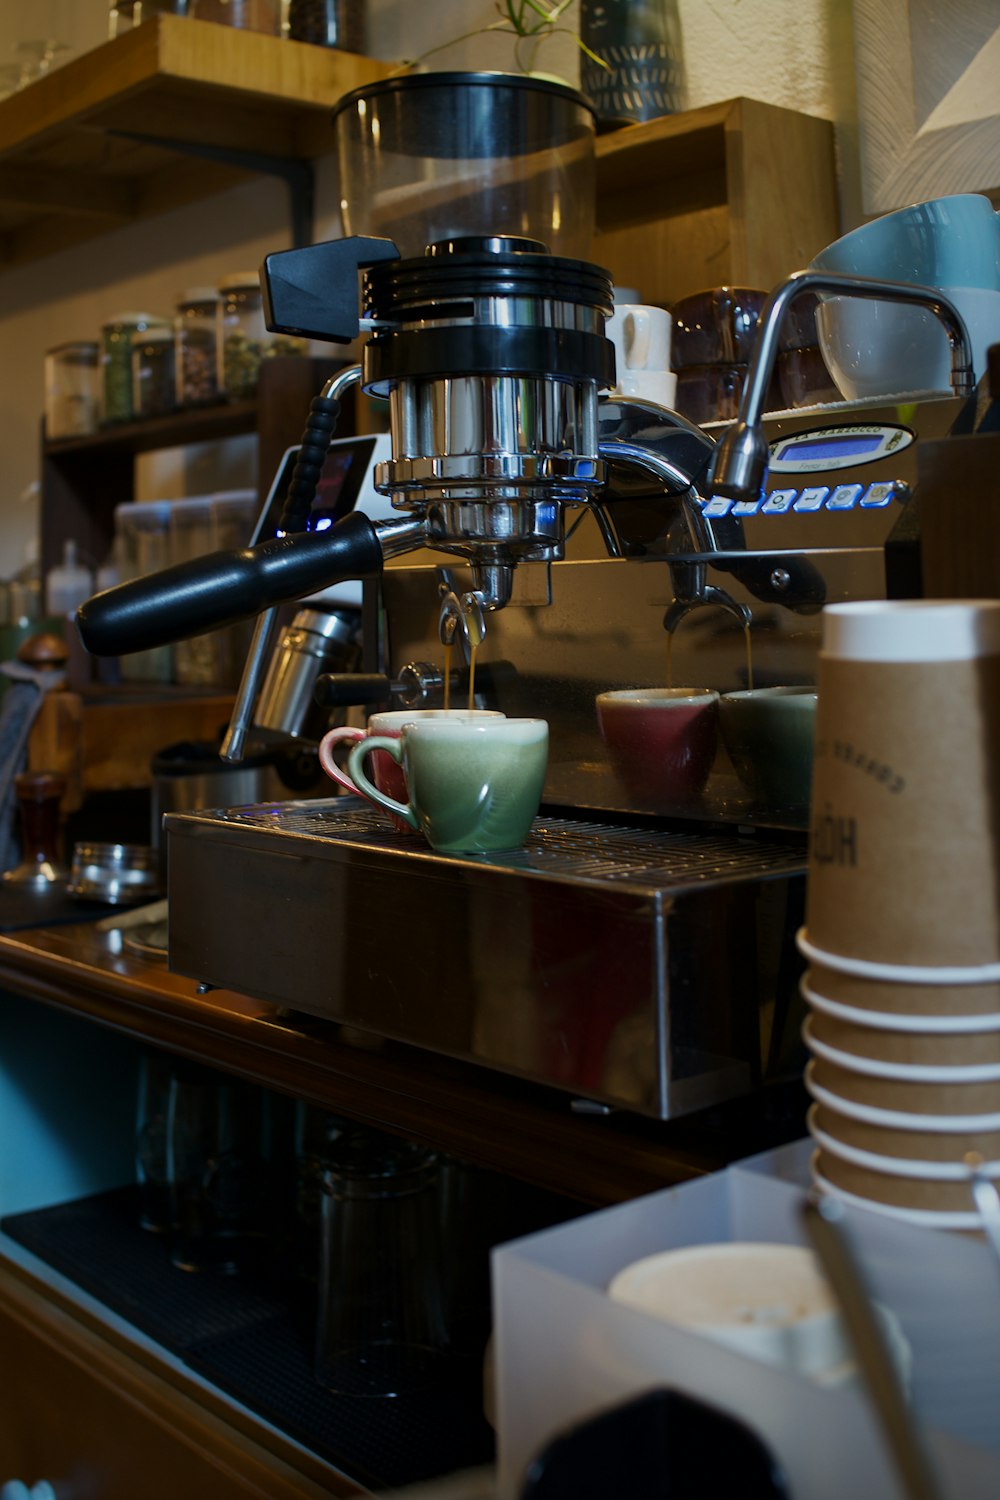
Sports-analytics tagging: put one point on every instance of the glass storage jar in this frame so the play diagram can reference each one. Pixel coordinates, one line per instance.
(195, 329)
(72, 389)
(124, 14)
(328, 23)
(153, 381)
(248, 15)
(117, 336)
(244, 341)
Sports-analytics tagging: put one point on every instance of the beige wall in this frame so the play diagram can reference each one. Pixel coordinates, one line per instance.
(793, 52)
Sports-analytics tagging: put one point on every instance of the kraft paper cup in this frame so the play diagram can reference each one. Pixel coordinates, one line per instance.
(894, 1070)
(921, 1218)
(898, 1020)
(905, 822)
(890, 1002)
(900, 1100)
(896, 1052)
(898, 1190)
(927, 1151)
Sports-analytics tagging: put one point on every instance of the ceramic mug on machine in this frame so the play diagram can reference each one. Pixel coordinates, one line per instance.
(474, 785)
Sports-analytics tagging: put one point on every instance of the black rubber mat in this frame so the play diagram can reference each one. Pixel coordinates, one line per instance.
(252, 1336)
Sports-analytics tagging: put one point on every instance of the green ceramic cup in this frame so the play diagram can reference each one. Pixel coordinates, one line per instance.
(474, 785)
(769, 735)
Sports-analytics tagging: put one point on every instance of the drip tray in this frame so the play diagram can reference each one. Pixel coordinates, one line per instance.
(633, 966)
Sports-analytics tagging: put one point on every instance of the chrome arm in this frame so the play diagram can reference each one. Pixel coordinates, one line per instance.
(739, 464)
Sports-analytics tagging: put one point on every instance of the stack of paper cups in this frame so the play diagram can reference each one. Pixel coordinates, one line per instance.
(903, 907)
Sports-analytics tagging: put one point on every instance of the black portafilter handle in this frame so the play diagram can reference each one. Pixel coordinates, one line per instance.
(222, 588)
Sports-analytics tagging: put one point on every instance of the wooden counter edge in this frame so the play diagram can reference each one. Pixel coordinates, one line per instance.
(504, 1124)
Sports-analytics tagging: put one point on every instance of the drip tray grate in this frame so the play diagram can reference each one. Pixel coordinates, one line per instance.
(568, 849)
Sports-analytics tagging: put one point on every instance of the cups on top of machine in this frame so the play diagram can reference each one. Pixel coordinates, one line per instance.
(641, 336)
(876, 349)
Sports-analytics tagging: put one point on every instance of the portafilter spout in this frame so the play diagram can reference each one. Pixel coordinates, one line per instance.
(739, 464)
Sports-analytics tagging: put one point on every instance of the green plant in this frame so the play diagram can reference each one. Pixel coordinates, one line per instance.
(531, 21)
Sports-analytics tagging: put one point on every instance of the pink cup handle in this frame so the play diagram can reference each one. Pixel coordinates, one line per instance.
(346, 733)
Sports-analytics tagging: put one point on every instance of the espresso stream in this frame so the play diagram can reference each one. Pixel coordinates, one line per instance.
(473, 650)
(746, 641)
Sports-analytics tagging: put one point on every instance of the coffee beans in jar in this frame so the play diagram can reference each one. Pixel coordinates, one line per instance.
(153, 376)
(195, 346)
(117, 336)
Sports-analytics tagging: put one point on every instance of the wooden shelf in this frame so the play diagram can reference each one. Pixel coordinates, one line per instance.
(738, 193)
(199, 425)
(81, 149)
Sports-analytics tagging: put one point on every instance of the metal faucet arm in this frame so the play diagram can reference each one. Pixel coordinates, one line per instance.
(739, 464)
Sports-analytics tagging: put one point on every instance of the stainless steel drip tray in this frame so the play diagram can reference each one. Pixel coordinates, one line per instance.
(623, 964)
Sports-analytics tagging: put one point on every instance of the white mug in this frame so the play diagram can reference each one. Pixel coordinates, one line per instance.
(641, 336)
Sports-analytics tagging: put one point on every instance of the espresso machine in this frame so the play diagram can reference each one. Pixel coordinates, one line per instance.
(634, 954)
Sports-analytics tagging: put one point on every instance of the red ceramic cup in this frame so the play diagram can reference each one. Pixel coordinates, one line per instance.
(661, 741)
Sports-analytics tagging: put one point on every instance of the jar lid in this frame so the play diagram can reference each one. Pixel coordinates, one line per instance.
(239, 279)
(80, 346)
(161, 334)
(135, 320)
(198, 294)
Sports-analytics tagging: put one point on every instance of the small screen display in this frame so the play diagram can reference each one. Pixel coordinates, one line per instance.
(336, 492)
(833, 445)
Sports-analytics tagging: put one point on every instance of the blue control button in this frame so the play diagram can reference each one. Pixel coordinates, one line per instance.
(717, 506)
(812, 498)
(878, 495)
(778, 502)
(747, 507)
(844, 497)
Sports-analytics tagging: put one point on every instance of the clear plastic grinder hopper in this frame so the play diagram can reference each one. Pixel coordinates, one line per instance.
(428, 156)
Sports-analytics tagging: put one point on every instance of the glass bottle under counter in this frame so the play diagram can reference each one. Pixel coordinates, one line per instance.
(117, 337)
(195, 346)
(244, 340)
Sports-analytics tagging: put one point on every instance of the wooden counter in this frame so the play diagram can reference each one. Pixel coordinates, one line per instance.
(530, 1132)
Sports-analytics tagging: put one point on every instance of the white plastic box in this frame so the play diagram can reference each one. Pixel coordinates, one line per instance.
(565, 1351)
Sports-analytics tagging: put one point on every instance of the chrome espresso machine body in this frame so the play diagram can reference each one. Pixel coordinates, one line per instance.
(634, 955)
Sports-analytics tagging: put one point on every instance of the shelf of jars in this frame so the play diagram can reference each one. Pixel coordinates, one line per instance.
(169, 113)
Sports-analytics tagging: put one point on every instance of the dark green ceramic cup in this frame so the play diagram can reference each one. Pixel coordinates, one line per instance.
(474, 785)
(768, 733)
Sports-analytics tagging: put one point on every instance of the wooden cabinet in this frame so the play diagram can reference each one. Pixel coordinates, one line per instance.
(734, 194)
(81, 1411)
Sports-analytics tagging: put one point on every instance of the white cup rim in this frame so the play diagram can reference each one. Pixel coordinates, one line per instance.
(922, 631)
(863, 968)
(658, 697)
(894, 1166)
(394, 717)
(791, 692)
(898, 1119)
(924, 1218)
(891, 1020)
(899, 1072)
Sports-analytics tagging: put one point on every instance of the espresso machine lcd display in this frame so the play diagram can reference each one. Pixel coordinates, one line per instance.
(337, 492)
